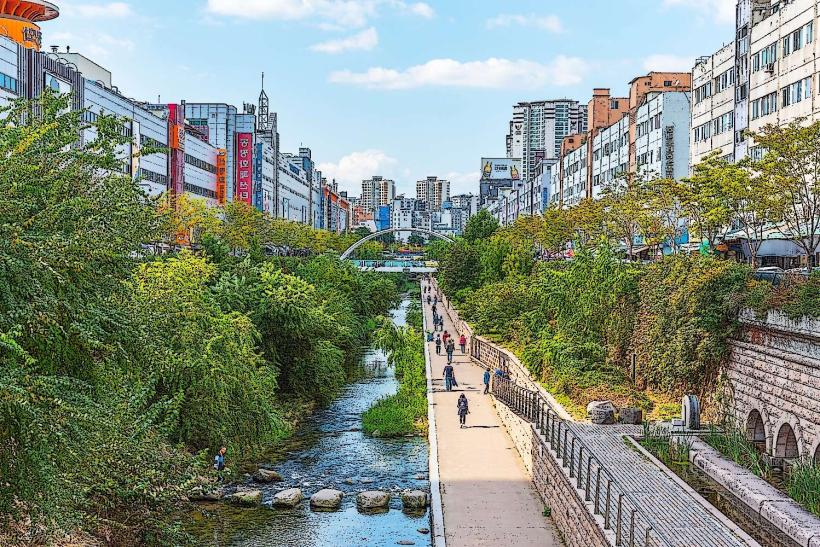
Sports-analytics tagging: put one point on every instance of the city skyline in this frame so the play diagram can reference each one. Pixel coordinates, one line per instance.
(347, 65)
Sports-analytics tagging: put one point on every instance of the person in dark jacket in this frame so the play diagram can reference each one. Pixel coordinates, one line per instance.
(486, 381)
(463, 410)
(438, 344)
(449, 376)
(450, 347)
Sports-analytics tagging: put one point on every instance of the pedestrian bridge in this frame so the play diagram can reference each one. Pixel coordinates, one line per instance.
(374, 235)
(396, 266)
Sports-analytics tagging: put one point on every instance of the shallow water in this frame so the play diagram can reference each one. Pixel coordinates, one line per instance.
(330, 451)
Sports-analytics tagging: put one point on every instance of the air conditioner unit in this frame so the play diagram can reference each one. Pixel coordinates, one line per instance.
(770, 68)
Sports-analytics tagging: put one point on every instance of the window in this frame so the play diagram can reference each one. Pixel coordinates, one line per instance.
(742, 92)
(809, 32)
(196, 162)
(764, 105)
(703, 132)
(764, 57)
(8, 83)
(667, 83)
(796, 92)
(703, 92)
(723, 123)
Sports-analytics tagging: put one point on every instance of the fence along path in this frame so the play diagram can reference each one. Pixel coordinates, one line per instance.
(635, 499)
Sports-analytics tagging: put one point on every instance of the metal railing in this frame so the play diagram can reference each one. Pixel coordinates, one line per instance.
(619, 511)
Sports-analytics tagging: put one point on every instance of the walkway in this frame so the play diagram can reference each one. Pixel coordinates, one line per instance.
(487, 497)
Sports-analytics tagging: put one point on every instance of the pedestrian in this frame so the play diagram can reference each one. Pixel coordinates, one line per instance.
(486, 381)
(435, 300)
(440, 323)
(445, 336)
(429, 299)
(438, 344)
(450, 347)
(449, 375)
(219, 461)
(463, 410)
(463, 343)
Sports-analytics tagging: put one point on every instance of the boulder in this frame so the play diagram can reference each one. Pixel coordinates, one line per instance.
(288, 498)
(601, 412)
(249, 498)
(267, 475)
(631, 416)
(198, 494)
(326, 499)
(372, 499)
(414, 500)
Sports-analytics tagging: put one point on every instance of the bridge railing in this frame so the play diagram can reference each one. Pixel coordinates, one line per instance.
(620, 512)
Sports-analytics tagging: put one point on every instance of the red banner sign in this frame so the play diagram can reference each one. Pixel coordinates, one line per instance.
(244, 168)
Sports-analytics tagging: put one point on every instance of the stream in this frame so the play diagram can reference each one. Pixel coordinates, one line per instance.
(329, 450)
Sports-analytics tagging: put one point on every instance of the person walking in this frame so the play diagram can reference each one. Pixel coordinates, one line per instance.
(449, 376)
(445, 336)
(486, 381)
(450, 348)
(462, 341)
(435, 300)
(429, 300)
(219, 462)
(440, 322)
(438, 344)
(463, 410)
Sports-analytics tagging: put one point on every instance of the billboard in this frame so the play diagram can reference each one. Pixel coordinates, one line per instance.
(500, 169)
(221, 175)
(244, 168)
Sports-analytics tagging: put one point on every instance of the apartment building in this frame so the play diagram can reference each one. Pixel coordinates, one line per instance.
(765, 75)
(433, 191)
(377, 191)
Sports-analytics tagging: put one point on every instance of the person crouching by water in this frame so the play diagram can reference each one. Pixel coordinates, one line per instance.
(463, 410)
(449, 377)
(219, 462)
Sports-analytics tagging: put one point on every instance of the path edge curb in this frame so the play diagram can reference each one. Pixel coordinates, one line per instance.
(439, 538)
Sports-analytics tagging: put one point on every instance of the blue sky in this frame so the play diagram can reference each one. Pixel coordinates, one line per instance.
(400, 88)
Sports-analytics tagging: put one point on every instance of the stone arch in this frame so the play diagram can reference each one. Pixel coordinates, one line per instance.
(816, 454)
(374, 235)
(785, 444)
(756, 430)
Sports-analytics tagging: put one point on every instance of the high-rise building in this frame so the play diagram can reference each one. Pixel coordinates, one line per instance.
(377, 191)
(433, 191)
(537, 129)
(765, 75)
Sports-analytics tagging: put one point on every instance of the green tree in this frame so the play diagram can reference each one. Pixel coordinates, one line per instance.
(791, 165)
(480, 226)
(702, 198)
(416, 239)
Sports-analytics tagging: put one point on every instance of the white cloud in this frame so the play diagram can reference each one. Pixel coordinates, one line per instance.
(326, 13)
(96, 45)
(422, 10)
(353, 168)
(492, 73)
(365, 40)
(669, 63)
(549, 23)
(106, 10)
(463, 183)
(723, 11)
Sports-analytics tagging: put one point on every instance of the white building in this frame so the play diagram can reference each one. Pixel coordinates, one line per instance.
(537, 129)
(377, 191)
(662, 136)
(433, 191)
(766, 75)
(401, 216)
(294, 190)
(610, 154)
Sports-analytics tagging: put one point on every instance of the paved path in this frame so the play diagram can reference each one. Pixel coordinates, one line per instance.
(487, 497)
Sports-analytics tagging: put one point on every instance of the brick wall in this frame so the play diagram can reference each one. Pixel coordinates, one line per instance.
(774, 370)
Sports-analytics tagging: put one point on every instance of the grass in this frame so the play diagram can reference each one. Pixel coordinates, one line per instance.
(658, 441)
(732, 444)
(803, 485)
(405, 412)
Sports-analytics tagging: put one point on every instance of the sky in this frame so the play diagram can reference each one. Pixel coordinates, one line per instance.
(399, 88)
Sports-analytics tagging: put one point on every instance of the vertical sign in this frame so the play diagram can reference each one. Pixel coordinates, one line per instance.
(244, 167)
(257, 178)
(136, 150)
(669, 141)
(176, 144)
(221, 175)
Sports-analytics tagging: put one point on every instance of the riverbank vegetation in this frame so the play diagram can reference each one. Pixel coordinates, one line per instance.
(405, 412)
(599, 326)
(123, 371)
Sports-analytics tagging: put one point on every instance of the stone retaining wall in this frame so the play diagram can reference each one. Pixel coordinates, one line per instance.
(774, 370)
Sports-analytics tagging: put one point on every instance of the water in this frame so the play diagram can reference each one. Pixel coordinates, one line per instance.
(330, 451)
